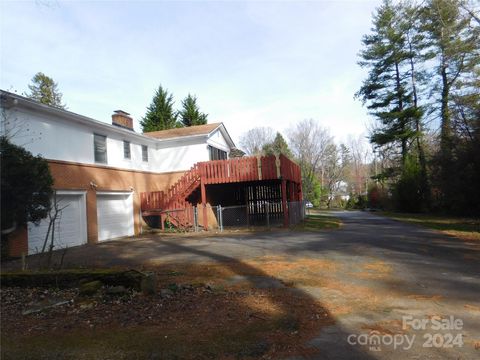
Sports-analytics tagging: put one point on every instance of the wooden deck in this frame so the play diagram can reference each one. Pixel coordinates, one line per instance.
(246, 169)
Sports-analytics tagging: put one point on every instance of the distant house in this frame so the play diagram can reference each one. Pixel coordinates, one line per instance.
(110, 178)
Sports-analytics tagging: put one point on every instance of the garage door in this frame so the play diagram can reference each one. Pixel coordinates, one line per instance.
(114, 215)
(70, 227)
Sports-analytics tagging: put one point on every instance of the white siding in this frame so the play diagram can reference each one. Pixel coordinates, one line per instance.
(56, 140)
(64, 139)
(115, 154)
(180, 157)
(217, 140)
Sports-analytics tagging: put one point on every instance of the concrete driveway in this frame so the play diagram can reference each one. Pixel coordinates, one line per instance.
(399, 291)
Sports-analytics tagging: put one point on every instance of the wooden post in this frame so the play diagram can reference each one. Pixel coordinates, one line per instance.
(259, 166)
(291, 193)
(278, 166)
(284, 203)
(204, 203)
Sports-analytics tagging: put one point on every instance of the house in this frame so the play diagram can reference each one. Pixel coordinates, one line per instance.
(109, 179)
(100, 169)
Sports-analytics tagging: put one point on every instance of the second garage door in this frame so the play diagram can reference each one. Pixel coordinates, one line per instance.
(114, 215)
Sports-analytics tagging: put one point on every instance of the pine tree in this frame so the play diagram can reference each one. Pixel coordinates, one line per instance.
(456, 44)
(160, 114)
(44, 90)
(278, 146)
(386, 91)
(454, 37)
(190, 114)
(391, 91)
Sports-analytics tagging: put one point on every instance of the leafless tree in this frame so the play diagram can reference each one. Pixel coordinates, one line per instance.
(53, 216)
(309, 143)
(358, 171)
(254, 139)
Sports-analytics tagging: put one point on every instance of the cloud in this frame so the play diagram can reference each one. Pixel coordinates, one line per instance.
(250, 64)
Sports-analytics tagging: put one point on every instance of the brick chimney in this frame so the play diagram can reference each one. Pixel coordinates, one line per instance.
(122, 119)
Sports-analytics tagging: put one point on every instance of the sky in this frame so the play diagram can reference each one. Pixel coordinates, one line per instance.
(263, 63)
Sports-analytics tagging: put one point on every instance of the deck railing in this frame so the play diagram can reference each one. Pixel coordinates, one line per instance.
(219, 172)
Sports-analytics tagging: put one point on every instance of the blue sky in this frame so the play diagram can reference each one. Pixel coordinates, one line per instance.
(250, 63)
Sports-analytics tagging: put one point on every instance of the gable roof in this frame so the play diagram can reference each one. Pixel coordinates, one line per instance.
(184, 131)
(192, 132)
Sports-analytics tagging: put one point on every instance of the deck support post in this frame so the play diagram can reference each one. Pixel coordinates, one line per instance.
(204, 203)
(284, 203)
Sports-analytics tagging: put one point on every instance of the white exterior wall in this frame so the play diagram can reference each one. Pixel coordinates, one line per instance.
(51, 139)
(181, 157)
(115, 154)
(62, 139)
(217, 140)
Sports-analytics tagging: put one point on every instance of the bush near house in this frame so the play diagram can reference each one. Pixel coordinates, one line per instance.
(26, 188)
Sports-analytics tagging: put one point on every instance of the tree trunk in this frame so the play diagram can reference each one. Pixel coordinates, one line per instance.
(400, 110)
(425, 189)
(446, 131)
(445, 139)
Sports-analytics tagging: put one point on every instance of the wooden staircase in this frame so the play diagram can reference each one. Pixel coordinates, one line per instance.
(173, 205)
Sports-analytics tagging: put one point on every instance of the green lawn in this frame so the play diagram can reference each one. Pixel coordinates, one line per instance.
(464, 228)
(316, 222)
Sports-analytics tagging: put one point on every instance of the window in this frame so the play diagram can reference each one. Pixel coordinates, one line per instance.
(100, 148)
(217, 154)
(126, 150)
(145, 153)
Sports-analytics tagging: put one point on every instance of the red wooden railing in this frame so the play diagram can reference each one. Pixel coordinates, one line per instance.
(227, 171)
(176, 194)
(289, 170)
(217, 172)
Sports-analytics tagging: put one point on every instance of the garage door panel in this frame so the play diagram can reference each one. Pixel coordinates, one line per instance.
(114, 215)
(70, 227)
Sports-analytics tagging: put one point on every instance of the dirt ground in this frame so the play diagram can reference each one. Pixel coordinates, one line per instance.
(363, 291)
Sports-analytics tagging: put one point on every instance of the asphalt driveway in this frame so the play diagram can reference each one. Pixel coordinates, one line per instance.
(391, 285)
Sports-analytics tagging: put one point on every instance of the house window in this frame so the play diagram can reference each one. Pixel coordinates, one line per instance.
(145, 153)
(217, 154)
(100, 148)
(126, 149)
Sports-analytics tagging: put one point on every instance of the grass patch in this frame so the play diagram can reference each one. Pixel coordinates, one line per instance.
(463, 228)
(317, 222)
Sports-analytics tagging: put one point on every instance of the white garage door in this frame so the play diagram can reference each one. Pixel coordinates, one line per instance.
(70, 227)
(114, 215)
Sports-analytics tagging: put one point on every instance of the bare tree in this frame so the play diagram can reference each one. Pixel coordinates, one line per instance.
(253, 141)
(309, 143)
(53, 216)
(357, 173)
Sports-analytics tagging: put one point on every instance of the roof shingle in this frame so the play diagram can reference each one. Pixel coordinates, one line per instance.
(184, 131)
